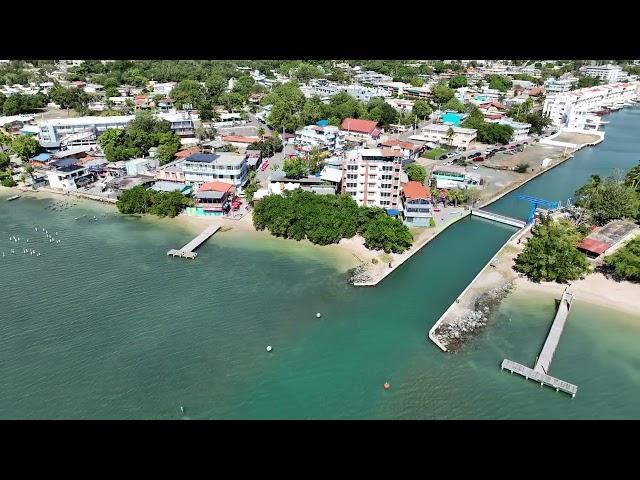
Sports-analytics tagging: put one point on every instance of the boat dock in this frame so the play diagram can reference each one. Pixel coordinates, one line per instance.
(514, 222)
(540, 372)
(188, 250)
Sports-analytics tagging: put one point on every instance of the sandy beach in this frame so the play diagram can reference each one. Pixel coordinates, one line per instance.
(595, 289)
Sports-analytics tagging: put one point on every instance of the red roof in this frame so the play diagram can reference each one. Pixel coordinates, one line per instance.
(400, 143)
(494, 116)
(414, 190)
(216, 187)
(535, 91)
(239, 139)
(359, 126)
(390, 152)
(593, 245)
(187, 152)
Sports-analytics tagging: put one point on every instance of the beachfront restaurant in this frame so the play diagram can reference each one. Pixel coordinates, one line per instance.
(212, 199)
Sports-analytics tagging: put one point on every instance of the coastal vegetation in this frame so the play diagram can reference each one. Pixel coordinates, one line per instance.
(163, 204)
(551, 253)
(325, 219)
(612, 198)
(25, 146)
(625, 263)
(135, 140)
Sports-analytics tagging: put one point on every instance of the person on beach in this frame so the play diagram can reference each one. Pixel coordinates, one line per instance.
(389, 264)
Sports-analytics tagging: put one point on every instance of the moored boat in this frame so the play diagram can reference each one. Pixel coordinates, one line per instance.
(15, 197)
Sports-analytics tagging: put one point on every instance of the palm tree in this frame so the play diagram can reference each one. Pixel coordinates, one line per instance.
(633, 177)
(261, 133)
(450, 134)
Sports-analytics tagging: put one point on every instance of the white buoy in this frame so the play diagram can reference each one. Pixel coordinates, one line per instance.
(36, 229)
(269, 348)
(318, 315)
(57, 241)
(181, 409)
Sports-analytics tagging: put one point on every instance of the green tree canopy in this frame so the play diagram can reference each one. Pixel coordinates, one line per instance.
(626, 261)
(551, 253)
(25, 146)
(295, 167)
(441, 93)
(422, 109)
(416, 172)
(457, 81)
(608, 199)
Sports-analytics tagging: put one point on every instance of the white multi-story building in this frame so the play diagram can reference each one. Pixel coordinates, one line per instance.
(66, 177)
(447, 135)
(520, 130)
(553, 85)
(606, 73)
(372, 177)
(573, 110)
(54, 130)
(328, 137)
(231, 168)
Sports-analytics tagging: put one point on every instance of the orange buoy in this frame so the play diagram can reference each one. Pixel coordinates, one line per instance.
(386, 385)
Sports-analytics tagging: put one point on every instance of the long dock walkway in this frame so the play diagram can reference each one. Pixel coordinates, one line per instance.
(188, 250)
(514, 222)
(540, 372)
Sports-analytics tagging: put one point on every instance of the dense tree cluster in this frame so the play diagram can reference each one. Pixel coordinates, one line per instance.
(499, 82)
(291, 110)
(267, 146)
(609, 199)
(523, 113)
(490, 133)
(625, 263)
(71, 97)
(17, 104)
(326, 219)
(135, 140)
(163, 204)
(551, 253)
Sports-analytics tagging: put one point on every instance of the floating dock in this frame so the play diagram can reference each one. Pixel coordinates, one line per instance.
(514, 222)
(539, 372)
(188, 250)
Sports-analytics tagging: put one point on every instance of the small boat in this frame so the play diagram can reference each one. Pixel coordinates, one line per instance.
(15, 197)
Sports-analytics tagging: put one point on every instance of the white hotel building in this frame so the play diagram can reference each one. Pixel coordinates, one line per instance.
(372, 177)
(574, 110)
(606, 73)
(89, 128)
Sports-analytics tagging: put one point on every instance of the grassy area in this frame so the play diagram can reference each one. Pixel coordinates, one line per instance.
(435, 153)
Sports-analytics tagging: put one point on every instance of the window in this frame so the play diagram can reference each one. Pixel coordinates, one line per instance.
(386, 177)
(372, 185)
(386, 185)
(385, 202)
(352, 185)
(352, 167)
(352, 176)
(372, 176)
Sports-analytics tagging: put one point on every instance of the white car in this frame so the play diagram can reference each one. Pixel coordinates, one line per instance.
(475, 167)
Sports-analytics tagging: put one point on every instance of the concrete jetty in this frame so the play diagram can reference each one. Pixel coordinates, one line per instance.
(514, 222)
(188, 250)
(540, 372)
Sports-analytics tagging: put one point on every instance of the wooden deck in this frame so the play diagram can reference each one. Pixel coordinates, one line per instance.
(188, 250)
(541, 378)
(540, 372)
(550, 345)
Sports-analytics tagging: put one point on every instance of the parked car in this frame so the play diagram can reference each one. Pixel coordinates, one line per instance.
(443, 157)
(478, 159)
(502, 149)
(474, 155)
(449, 155)
(475, 167)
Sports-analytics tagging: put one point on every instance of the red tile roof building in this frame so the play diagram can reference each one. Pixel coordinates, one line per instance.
(364, 127)
(415, 190)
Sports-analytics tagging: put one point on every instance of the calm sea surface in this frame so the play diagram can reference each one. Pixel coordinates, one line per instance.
(104, 325)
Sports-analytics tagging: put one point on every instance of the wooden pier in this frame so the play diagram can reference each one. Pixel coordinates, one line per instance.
(188, 250)
(514, 222)
(540, 372)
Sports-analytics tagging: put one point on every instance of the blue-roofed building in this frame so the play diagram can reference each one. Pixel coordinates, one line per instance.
(42, 158)
(322, 123)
